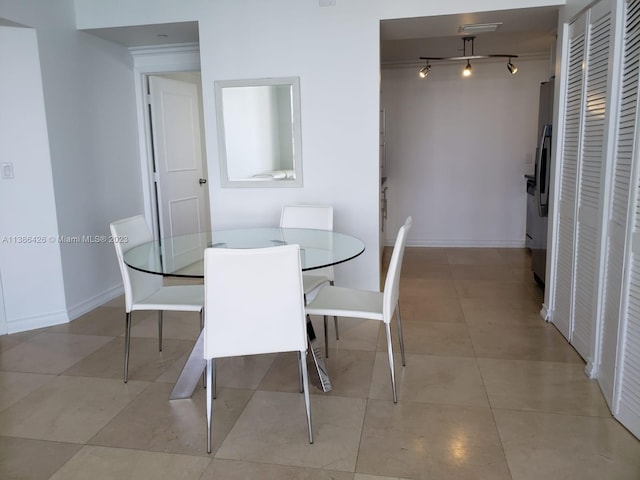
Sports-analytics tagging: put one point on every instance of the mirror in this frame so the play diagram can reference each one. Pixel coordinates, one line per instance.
(259, 132)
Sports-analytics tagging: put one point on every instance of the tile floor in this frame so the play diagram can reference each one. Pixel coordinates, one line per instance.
(489, 392)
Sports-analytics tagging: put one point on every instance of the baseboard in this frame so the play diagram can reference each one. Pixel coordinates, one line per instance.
(389, 242)
(64, 316)
(94, 302)
(545, 313)
(38, 321)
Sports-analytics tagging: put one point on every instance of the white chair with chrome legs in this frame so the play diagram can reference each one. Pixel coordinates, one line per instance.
(319, 217)
(353, 303)
(145, 291)
(254, 304)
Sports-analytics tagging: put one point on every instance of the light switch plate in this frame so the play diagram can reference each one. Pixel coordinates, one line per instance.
(7, 170)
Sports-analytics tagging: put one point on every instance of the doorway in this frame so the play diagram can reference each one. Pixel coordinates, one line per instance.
(172, 147)
(178, 153)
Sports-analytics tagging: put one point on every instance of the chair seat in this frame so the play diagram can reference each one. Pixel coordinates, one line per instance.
(180, 298)
(310, 282)
(347, 302)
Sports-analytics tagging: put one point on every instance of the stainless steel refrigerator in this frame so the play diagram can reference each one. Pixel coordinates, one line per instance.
(538, 186)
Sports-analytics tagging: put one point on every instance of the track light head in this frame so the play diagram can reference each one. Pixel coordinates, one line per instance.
(512, 68)
(467, 70)
(424, 71)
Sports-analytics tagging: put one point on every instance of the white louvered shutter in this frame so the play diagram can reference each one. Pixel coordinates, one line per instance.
(567, 194)
(590, 178)
(625, 139)
(627, 399)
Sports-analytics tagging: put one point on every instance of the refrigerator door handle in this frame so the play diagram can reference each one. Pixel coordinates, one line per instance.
(542, 171)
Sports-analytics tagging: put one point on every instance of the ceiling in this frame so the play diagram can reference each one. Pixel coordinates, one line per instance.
(523, 32)
(150, 35)
(529, 31)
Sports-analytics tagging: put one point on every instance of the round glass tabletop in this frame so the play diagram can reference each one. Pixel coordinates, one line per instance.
(183, 255)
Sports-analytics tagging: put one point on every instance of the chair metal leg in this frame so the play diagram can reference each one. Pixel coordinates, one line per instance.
(214, 392)
(391, 366)
(160, 330)
(300, 379)
(209, 403)
(204, 374)
(400, 336)
(307, 403)
(326, 338)
(127, 342)
(335, 319)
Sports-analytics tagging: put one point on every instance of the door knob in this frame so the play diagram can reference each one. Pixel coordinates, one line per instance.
(202, 181)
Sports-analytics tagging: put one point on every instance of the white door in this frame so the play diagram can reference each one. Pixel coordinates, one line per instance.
(619, 203)
(182, 198)
(591, 176)
(567, 198)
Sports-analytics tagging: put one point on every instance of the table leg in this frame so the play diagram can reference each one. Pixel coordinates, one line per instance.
(191, 372)
(318, 358)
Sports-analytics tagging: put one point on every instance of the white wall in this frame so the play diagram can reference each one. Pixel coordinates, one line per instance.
(89, 109)
(31, 272)
(457, 150)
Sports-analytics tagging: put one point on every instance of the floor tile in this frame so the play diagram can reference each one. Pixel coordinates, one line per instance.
(273, 429)
(239, 470)
(68, 409)
(501, 316)
(553, 387)
(522, 343)
(431, 338)
(175, 325)
(549, 446)
(117, 463)
(50, 352)
(25, 459)
(246, 371)
(106, 321)
(474, 256)
(431, 309)
(430, 379)
(146, 363)
(399, 440)
(14, 386)
(153, 422)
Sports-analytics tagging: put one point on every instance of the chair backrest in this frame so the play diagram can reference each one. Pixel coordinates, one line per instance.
(319, 217)
(253, 301)
(392, 282)
(137, 285)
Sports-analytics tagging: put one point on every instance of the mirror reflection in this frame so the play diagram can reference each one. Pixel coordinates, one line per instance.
(259, 132)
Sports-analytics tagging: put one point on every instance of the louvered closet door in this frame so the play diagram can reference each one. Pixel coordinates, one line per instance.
(590, 180)
(627, 400)
(625, 140)
(570, 148)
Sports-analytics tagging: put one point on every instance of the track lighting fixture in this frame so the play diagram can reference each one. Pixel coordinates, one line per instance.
(467, 70)
(424, 71)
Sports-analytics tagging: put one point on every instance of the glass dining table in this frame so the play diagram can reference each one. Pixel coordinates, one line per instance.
(183, 256)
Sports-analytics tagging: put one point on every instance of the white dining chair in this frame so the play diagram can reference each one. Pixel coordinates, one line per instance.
(273, 320)
(354, 303)
(318, 217)
(145, 291)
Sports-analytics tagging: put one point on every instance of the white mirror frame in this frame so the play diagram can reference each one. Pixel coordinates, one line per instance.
(260, 181)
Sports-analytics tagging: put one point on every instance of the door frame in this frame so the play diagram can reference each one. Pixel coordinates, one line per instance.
(147, 61)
